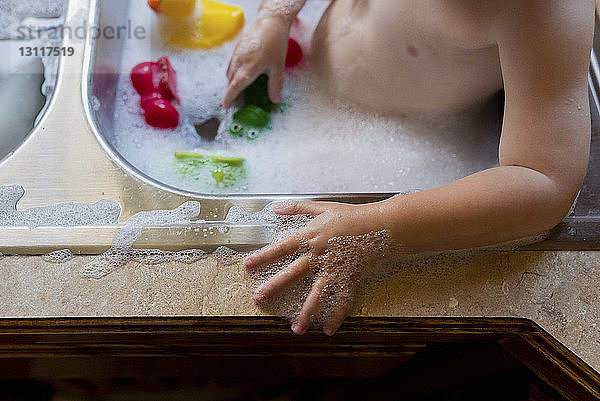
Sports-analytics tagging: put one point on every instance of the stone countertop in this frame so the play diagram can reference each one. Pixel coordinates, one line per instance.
(557, 290)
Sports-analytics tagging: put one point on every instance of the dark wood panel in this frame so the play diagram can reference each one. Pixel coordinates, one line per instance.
(28, 344)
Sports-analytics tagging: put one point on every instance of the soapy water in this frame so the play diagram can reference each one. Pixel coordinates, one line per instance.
(34, 23)
(316, 145)
(26, 24)
(14, 14)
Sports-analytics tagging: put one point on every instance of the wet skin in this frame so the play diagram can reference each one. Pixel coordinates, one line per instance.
(408, 57)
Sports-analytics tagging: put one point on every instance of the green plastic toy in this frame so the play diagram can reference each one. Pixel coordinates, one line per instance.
(224, 170)
(258, 94)
(254, 117)
(249, 121)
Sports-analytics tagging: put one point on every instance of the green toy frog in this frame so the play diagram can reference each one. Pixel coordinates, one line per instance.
(257, 93)
(249, 121)
(254, 117)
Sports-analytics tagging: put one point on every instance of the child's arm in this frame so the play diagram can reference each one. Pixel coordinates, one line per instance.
(262, 49)
(544, 49)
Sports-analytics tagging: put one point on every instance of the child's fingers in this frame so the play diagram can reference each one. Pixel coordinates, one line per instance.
(282, 280)
(339, 313)
(311, 306)
(311, 208)
(230, 68)
(275, 85)
(272, 253)
(240, 81)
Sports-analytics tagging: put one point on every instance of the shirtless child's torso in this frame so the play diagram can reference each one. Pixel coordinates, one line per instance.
(408, 56)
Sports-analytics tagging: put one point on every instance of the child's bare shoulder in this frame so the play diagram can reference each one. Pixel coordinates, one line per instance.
(481, 23)
(549, 18)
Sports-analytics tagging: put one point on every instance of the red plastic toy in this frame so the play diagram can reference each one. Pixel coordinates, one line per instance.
(156, 82)
(294, 54)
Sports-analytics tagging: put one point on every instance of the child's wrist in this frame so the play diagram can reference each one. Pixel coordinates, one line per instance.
(390, 216)
(270, 16)
(376, 216)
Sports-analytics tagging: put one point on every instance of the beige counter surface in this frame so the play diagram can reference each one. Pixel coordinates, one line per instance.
(557, 290)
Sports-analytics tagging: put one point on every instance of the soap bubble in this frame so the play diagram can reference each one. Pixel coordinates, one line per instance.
(61, 256)
(122, 251)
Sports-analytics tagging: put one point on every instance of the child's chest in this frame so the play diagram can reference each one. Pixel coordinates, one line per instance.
(451, 24)
(437, 51)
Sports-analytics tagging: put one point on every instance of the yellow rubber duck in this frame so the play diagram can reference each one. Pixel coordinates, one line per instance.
(198, 25)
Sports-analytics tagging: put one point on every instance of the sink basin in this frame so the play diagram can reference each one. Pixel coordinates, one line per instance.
(21, 97)
(26, 76)
(290, 159)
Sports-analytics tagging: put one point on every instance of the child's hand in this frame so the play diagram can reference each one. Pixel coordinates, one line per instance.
(262, 49)
(335, 248)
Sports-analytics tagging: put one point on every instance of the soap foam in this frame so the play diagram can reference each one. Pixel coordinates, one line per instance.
(316, 145)
(104, 212)
(277, 226)
(122, 252)
(13, 12)
(58, 257)
(350, 265)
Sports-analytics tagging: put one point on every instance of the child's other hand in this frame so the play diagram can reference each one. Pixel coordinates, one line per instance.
(335, 249)
(261, 49)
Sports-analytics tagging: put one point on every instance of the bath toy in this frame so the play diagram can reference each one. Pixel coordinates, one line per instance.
(294, 54)
(198, 25)
(160, 113)
(249, 121)
(257, 94)
(254, 117)
(230, 160)
(174, 9)
(156, 76)
(156, 82)
(224, 170)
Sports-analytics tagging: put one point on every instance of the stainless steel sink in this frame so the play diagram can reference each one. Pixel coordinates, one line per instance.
(26, 81)
(69, 158)
(103, 58)
(20, 95)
